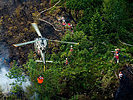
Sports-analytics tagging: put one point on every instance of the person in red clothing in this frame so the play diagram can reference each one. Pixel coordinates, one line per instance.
(66, 61)
(69, 25)
(116, 55)
(117, 58)
(71, 49)
(40, 80)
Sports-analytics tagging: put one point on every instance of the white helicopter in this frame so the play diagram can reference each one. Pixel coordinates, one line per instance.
(41, 44)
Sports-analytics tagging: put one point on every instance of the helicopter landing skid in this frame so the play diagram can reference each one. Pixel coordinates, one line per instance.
(42, 61)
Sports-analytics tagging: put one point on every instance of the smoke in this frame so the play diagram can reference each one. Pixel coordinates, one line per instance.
(4, 69)
(5, 81)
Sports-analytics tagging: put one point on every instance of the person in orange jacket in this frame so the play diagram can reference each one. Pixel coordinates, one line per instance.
(40, 80)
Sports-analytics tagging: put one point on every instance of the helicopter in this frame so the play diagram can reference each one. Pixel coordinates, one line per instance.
(41, 43)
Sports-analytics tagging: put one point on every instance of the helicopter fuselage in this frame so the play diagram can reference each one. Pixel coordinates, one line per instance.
(40, 45)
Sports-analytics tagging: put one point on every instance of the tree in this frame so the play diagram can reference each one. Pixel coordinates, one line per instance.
(98, 33)
(116, 15)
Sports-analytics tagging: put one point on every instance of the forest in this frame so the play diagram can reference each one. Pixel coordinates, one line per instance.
(91, 71)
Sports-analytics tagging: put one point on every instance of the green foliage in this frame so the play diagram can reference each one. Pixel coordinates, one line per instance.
(17, 73)
(98, 33)
(80, 5)
(51, 81)
(16, 89)
(50, 85)
(131, 50)
(91, 69)
(54, 1)
(78, 37)
(106, 80)
(116, 16)
(115, 11)
(88, 12)
(32, 68)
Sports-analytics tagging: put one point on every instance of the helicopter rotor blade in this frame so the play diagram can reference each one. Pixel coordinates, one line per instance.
(25, 43)
(64, 42)
(34, 25)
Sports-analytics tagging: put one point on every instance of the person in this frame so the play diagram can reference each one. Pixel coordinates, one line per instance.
(40, 80)
(117, 51)
(116, 54)
(71, 49)
(64, 23)
(120, 75)
(66, 61)
(69, 25)
(62, 18)
(117, 58)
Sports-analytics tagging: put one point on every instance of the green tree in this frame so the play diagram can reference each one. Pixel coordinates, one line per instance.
(98, 33)
(118, 24)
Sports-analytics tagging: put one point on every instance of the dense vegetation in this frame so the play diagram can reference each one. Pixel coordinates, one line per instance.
(100, 26)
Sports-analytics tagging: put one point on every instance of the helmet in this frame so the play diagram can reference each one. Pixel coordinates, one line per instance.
(69, 24)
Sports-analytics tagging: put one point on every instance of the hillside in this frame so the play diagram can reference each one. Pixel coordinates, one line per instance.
(99, 26)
